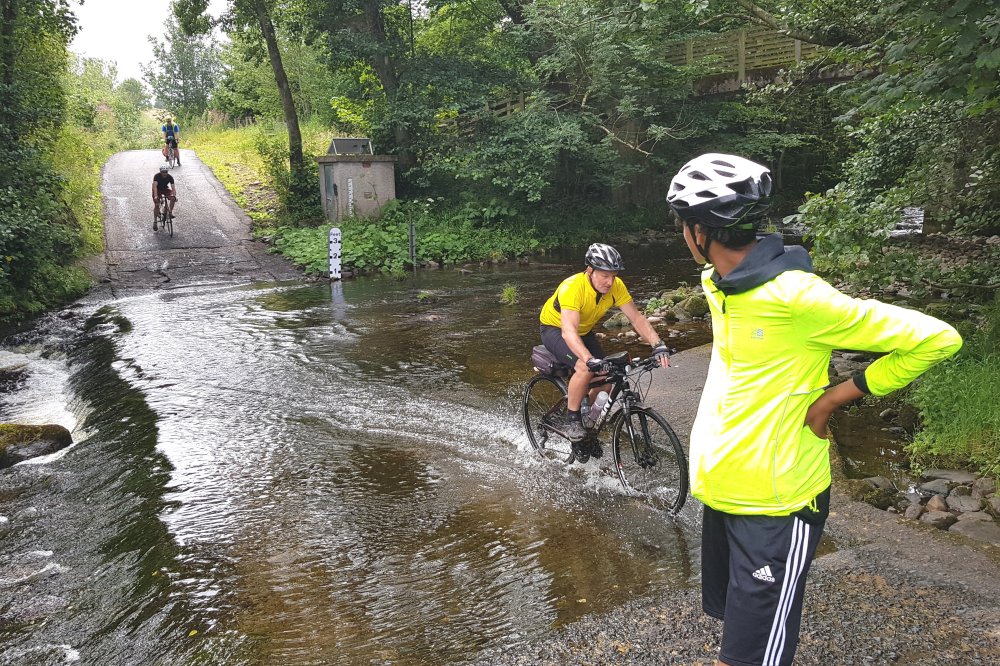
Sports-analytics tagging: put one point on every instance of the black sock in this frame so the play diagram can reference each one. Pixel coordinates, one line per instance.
(573, 416)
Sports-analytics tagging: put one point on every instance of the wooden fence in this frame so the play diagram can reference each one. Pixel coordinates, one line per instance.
(736, 53)
(742, 51)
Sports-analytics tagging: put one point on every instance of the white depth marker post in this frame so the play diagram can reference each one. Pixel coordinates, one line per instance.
(334, 253)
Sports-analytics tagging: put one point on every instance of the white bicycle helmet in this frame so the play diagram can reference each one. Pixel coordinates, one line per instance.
(164, 167)
(721, 191)
(604, 258)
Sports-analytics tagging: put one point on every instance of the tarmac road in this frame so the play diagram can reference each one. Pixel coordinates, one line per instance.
(211, 241)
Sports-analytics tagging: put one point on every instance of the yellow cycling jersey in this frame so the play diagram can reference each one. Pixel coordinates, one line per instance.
(576, 293)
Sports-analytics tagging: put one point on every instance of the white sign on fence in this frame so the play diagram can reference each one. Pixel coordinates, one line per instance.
(335, 253)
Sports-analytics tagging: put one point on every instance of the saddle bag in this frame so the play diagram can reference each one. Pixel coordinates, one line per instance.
(547, 364)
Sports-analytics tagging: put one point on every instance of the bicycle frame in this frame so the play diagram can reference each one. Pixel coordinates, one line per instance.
(621, 389)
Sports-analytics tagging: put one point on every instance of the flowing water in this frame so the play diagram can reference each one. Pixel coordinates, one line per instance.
(310, 473)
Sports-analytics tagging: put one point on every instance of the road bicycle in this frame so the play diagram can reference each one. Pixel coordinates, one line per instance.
(645, 452)
(163, 218)
(171, 155)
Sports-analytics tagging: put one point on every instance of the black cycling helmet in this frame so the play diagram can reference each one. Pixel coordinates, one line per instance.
(603, 257)
(721, 191)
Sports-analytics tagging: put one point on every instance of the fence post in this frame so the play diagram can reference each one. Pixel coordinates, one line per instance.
(689, 50)
(798, 50)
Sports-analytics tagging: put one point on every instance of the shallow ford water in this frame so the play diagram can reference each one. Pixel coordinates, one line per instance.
(311, 473)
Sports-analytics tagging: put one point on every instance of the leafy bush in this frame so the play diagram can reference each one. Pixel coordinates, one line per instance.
(957, 403)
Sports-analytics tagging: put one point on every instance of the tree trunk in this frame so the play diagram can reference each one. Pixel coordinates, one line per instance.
(7, 51)
(385, 70)
(295, 158)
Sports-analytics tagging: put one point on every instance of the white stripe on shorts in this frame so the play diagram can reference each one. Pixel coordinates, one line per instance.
(793, 569)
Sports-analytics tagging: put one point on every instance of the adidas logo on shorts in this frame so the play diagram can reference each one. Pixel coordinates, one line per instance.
(764, 573)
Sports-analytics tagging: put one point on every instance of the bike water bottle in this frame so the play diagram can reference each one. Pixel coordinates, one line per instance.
(597, 409)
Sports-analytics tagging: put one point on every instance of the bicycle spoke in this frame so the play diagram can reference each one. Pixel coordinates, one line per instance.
(650, 460)
(544, 402)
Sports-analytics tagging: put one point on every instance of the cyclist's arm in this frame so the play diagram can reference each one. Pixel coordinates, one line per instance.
(643, 327)
(570, 321)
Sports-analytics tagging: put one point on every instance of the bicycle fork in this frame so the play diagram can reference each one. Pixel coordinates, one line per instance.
(642, 448)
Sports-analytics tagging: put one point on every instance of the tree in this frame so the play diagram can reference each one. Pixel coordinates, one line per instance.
(184, 70)
(259, 15)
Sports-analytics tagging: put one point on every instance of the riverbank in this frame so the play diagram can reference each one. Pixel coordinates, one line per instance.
(883, 589)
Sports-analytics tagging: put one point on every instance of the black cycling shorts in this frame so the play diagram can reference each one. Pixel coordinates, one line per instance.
(553, 340)
(753, 577)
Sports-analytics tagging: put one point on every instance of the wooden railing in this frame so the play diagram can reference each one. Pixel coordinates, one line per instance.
(742, 51)
(735, 53)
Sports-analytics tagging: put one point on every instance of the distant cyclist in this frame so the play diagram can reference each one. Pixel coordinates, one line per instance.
(163, 186)
(171, 133)
(570, 314)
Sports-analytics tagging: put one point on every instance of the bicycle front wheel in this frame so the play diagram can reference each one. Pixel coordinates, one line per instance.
(649, 458)
(168, 222)
(544, 403)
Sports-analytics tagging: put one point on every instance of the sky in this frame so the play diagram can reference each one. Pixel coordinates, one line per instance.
(118, 30)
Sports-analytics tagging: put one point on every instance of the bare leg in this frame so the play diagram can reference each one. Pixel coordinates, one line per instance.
(577, 389)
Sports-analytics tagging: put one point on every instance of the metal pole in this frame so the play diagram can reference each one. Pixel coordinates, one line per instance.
(413, 247)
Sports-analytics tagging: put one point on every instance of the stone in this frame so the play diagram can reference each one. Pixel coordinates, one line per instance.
(880, 482)
(994, 503)
(964, 503)
(954, 476)
(937, 503)
(914, 511)
(941, 519)
(937, 487)
(617, 321)
(961, 491)
(979, 530)
(888, 414)
(984, 487)
(975, 515)
(693, 306)
(21, 442)
(654, 320)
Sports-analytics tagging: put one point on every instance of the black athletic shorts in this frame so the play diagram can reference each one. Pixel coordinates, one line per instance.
(753, 577)
(553, 340)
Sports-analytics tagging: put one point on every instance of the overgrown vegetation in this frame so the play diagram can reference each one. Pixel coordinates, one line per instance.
(60, 119)
(958, 403)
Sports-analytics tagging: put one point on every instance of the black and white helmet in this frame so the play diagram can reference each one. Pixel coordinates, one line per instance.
(164, 168)
(721, 191)
(604, 258)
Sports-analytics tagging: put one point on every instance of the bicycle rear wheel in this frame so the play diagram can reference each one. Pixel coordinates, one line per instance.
(649, 458)
(544, 402)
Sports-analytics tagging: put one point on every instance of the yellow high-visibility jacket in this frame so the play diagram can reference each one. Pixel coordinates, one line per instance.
(774, 326)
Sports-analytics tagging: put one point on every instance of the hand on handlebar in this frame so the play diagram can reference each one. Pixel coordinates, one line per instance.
(662, 355)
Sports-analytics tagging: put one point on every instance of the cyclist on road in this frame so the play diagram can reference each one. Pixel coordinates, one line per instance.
(567, 320)
(759, 457)
(171, 131)
(163, 186)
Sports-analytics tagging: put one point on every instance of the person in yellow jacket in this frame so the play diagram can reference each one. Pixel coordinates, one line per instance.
(759, 459)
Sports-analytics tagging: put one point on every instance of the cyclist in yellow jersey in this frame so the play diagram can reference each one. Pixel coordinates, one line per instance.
(759, 457)
(567, 320)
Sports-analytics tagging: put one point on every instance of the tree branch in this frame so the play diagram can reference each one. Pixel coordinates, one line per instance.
(764, 17)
